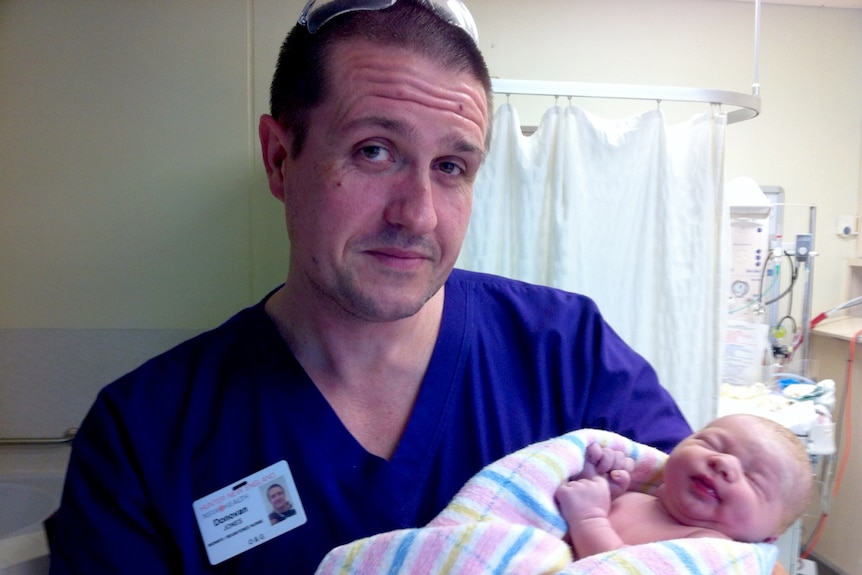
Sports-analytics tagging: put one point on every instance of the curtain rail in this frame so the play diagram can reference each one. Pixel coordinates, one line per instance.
(65, 438)
(748, 106)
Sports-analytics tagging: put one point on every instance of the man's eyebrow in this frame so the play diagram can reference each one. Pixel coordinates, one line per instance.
(464, 146)
(455, 141)
(389, 124)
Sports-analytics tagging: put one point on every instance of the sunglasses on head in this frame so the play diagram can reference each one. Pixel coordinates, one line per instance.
(318, 12)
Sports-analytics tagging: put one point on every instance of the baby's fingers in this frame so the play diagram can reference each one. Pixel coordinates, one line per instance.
(619, 481)
(605, 459)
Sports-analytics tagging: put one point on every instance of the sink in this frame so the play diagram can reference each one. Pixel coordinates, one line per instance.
(24, 507)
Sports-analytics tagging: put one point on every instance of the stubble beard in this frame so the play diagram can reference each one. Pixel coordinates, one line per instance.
(367, 304)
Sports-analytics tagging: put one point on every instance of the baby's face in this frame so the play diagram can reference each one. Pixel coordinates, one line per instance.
(730, 477)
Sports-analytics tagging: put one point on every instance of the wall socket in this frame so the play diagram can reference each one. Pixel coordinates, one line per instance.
(848, 226)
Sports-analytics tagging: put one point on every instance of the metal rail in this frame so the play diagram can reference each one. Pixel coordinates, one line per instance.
(748, 105)
(65, 438)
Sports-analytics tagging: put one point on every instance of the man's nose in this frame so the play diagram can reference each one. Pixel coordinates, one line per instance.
(411, 206)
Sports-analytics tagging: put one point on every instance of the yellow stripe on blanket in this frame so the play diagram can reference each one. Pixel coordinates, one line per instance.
(466, 511)
(553, 463)
(352, 553)
(460, 543)
(626, 566)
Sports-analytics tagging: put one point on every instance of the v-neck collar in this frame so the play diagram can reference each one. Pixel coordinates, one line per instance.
(397, 478)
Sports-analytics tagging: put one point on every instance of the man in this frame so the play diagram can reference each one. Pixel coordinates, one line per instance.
(376, 380)
(281, 506)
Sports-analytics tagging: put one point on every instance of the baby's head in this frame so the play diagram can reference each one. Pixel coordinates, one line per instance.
(745, 476)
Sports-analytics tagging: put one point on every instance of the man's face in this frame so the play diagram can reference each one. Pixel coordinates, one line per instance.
(378, 202)
(277, 498)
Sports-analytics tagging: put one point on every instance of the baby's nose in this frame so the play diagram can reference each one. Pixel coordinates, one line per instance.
(726, 466)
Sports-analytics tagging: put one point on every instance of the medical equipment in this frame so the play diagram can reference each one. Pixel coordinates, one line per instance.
(805, 407)
(753, 281)
(766, 273)
(766, 358)
(750, 251)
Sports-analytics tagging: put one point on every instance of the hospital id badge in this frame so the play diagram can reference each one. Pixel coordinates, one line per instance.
(249, 512)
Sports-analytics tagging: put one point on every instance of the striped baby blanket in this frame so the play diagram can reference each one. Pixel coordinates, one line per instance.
(505, 521)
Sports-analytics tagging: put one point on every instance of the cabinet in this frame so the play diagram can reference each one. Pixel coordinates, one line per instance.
(839, 544)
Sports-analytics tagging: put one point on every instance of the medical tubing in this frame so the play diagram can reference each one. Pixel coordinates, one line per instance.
(794, 273)
(845, 416)
(823, 315)
(847, 304)
(759, 298)
(775, 278)
(815, 537)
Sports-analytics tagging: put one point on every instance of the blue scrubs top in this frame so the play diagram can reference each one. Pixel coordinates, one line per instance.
(513, 364)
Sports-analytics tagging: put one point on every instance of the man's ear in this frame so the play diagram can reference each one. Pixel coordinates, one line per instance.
(274, 145)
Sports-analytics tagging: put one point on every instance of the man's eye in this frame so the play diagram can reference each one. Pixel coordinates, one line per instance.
(372, 152)
(450, 168)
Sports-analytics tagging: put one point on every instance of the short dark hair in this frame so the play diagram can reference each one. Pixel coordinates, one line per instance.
(299, 83)
(273, 486)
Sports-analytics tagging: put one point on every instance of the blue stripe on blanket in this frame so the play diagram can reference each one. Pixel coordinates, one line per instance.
(572, 438)
(403, 549)
(513, 550)
(526, 499)
(684, 555)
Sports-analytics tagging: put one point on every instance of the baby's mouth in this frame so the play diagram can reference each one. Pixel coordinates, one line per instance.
(705, 487)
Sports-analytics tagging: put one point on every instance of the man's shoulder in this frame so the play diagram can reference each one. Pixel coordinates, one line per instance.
(237, 344)
(486, 288)
(242, 331)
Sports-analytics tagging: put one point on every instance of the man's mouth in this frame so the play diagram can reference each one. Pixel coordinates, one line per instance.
(400, 254)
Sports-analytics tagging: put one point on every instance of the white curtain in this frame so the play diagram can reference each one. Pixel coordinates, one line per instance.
(628, 212)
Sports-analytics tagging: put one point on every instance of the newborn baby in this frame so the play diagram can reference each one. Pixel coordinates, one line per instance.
(741, 477)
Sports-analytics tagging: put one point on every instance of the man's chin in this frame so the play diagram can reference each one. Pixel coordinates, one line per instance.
(389, 303)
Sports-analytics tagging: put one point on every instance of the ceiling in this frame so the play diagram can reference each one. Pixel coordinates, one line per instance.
(857, 4)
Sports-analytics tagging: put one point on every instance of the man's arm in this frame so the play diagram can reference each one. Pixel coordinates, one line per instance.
(103, 519)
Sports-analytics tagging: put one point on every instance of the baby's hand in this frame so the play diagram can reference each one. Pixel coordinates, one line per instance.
(581, 499)
(609, 463)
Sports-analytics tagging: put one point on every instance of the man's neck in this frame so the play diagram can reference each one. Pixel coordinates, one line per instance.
(369, 372)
